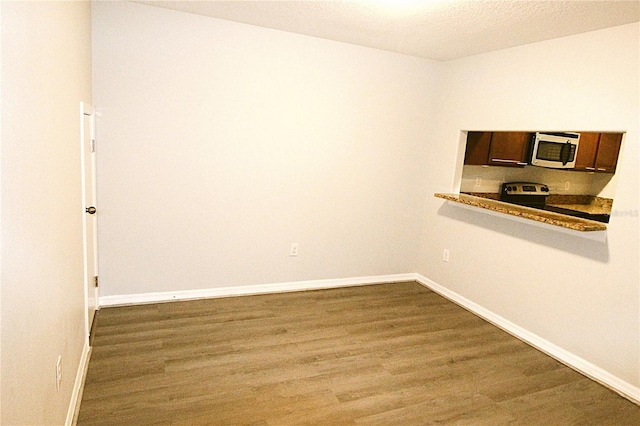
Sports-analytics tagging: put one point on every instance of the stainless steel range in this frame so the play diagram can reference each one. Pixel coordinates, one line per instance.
(525, 193)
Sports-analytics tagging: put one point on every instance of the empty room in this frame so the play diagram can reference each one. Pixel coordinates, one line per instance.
(320, 212)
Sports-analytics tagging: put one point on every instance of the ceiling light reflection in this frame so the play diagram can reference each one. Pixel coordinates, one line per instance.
(398, 8)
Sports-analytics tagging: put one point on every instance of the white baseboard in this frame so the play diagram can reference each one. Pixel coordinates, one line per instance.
(142, 298)
(590, 370)
(78, 386)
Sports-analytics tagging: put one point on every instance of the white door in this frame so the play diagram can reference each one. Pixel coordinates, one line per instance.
(88, 152)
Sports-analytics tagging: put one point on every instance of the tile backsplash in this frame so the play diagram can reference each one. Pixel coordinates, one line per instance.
(489, 179)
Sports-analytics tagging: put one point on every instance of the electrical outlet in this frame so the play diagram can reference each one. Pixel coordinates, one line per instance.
(478, 182)
(445, 255)
(294, 249)
(58, 372)
(567, 185)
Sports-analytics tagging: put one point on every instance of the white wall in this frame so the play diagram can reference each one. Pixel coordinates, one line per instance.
(220, 144)
(1, 222)
(578, 294)
(46, 72)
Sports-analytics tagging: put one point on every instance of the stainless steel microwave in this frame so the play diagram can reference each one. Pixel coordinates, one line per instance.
(555, 150)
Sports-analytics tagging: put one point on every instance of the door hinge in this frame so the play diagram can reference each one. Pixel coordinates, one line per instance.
(93, 145)
(95, 281)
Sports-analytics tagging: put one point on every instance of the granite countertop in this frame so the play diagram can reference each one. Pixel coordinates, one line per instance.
(589, 204)
(490, 202)
(583, 203)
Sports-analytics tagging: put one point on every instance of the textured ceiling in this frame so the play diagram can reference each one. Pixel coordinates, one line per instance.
(432, 29)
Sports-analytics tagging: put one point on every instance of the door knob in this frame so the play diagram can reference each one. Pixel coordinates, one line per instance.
(90, 210)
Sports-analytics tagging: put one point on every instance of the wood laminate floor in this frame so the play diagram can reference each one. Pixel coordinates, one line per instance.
(391, 354)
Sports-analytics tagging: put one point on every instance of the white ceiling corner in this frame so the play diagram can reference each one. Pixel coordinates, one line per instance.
(432, 29)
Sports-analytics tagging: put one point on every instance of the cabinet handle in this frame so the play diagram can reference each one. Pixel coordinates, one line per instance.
(590, 168)
(500, 160)
(600, 169)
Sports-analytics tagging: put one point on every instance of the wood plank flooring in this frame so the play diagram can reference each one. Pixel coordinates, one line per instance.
(389, 354)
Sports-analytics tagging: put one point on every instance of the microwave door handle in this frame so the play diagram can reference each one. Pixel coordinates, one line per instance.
(565, 151)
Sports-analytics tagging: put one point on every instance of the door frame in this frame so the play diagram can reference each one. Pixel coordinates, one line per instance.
(87, 110)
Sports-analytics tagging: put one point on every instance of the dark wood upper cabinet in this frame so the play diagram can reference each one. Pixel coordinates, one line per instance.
(509, 149)
(598, 152)
(477, 152)
(587, 150)
(608, 151)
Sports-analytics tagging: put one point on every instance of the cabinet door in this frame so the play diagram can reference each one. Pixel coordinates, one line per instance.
(477, 151)
(587, 149)
(509, 149)
(608, 150)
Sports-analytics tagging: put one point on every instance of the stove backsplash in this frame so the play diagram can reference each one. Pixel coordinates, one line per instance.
(489, 179)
